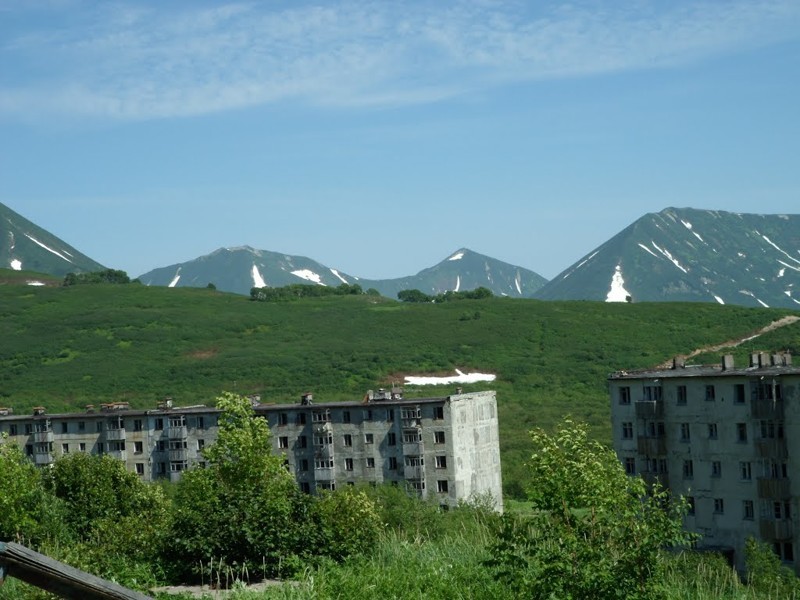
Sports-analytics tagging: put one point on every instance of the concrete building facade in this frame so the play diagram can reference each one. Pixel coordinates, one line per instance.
(445, 447)
(723, 437)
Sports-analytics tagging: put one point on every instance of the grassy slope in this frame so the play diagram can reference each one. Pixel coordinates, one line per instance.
(66, 347)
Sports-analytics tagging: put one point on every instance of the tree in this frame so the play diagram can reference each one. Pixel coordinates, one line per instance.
(98, 487)
(413, 296)
(595, 532)
(244, 507)
(348, 522)
(104, 276)
(116, 524)
(21, 495)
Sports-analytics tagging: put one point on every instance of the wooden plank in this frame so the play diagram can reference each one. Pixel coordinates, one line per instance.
(58, 578)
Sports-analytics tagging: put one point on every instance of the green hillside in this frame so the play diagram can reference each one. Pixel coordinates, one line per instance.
(67, 347)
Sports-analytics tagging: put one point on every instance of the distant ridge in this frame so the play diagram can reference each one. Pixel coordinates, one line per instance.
(28, 247)
(239, 269)
(686, 254)
(465, 270)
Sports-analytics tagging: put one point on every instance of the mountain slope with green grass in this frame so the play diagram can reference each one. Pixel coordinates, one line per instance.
(67, 347)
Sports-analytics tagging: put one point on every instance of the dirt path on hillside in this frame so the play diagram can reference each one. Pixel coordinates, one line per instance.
(787, 320)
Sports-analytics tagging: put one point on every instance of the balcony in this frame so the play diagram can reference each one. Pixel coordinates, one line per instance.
(651, 446)
(776, 530)
(321, 427)
(651, 478)
(181, 455)
(176, 432)
(412, 423)
(774, 489)
(323, 451)
(323, 474)
(118, 454)
(414, 472)
(115, 435)
(41, 437)
(42, 458)
(413, 448)
(766, 408)
(772, 448)
(649, 409)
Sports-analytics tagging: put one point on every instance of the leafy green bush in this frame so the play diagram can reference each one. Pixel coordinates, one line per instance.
(594, 532)
(95, 277)
(244, 509)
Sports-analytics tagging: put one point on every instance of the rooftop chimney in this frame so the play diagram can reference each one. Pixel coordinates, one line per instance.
(727, 362)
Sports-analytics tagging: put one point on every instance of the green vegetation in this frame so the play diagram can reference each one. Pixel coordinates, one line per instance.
(67, 347)
(95, 277)
(297, 291)
(594, 531)
(244, 508)
(586, 532)
(12, 277)
(449, 296)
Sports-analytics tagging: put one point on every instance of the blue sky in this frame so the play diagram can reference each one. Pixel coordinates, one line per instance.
(379, 137)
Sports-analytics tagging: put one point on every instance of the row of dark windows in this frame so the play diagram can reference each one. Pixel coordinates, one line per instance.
(442, 486)
(759, 391)
(63, 427)
(326, 439)
(346, 415)
(303, 465)
(769, 430)
(770, 469)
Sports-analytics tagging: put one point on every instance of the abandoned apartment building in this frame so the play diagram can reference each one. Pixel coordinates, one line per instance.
(443, 447)
(724, 437)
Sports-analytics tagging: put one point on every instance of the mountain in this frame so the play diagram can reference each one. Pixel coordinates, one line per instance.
(464, 270)
(26, 246)
(240, 269)
(685, 254)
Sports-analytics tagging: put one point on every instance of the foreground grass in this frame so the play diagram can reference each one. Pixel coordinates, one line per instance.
(452, 568)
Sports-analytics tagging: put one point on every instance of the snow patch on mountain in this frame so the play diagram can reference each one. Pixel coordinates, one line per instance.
(16, 264)
(58, 254)
(175, 279)
(518, 283)
(646, 249)
(336, 274)
(457, 256)
(459, 377)
(788, 266)
(308, 275)
(752, 295)
(781, 250)
(580, 264)
(258, 280)
(688, 226)
(669, 256)
(781, 272)
(458, 283)
(617, 293)
(35, 283)
(718, 299)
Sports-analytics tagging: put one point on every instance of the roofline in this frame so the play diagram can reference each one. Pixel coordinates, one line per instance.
(259, 408)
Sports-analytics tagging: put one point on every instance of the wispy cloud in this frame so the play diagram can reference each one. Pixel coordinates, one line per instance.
(152, 60)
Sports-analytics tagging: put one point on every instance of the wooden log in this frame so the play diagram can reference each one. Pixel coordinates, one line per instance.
(58, 578)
